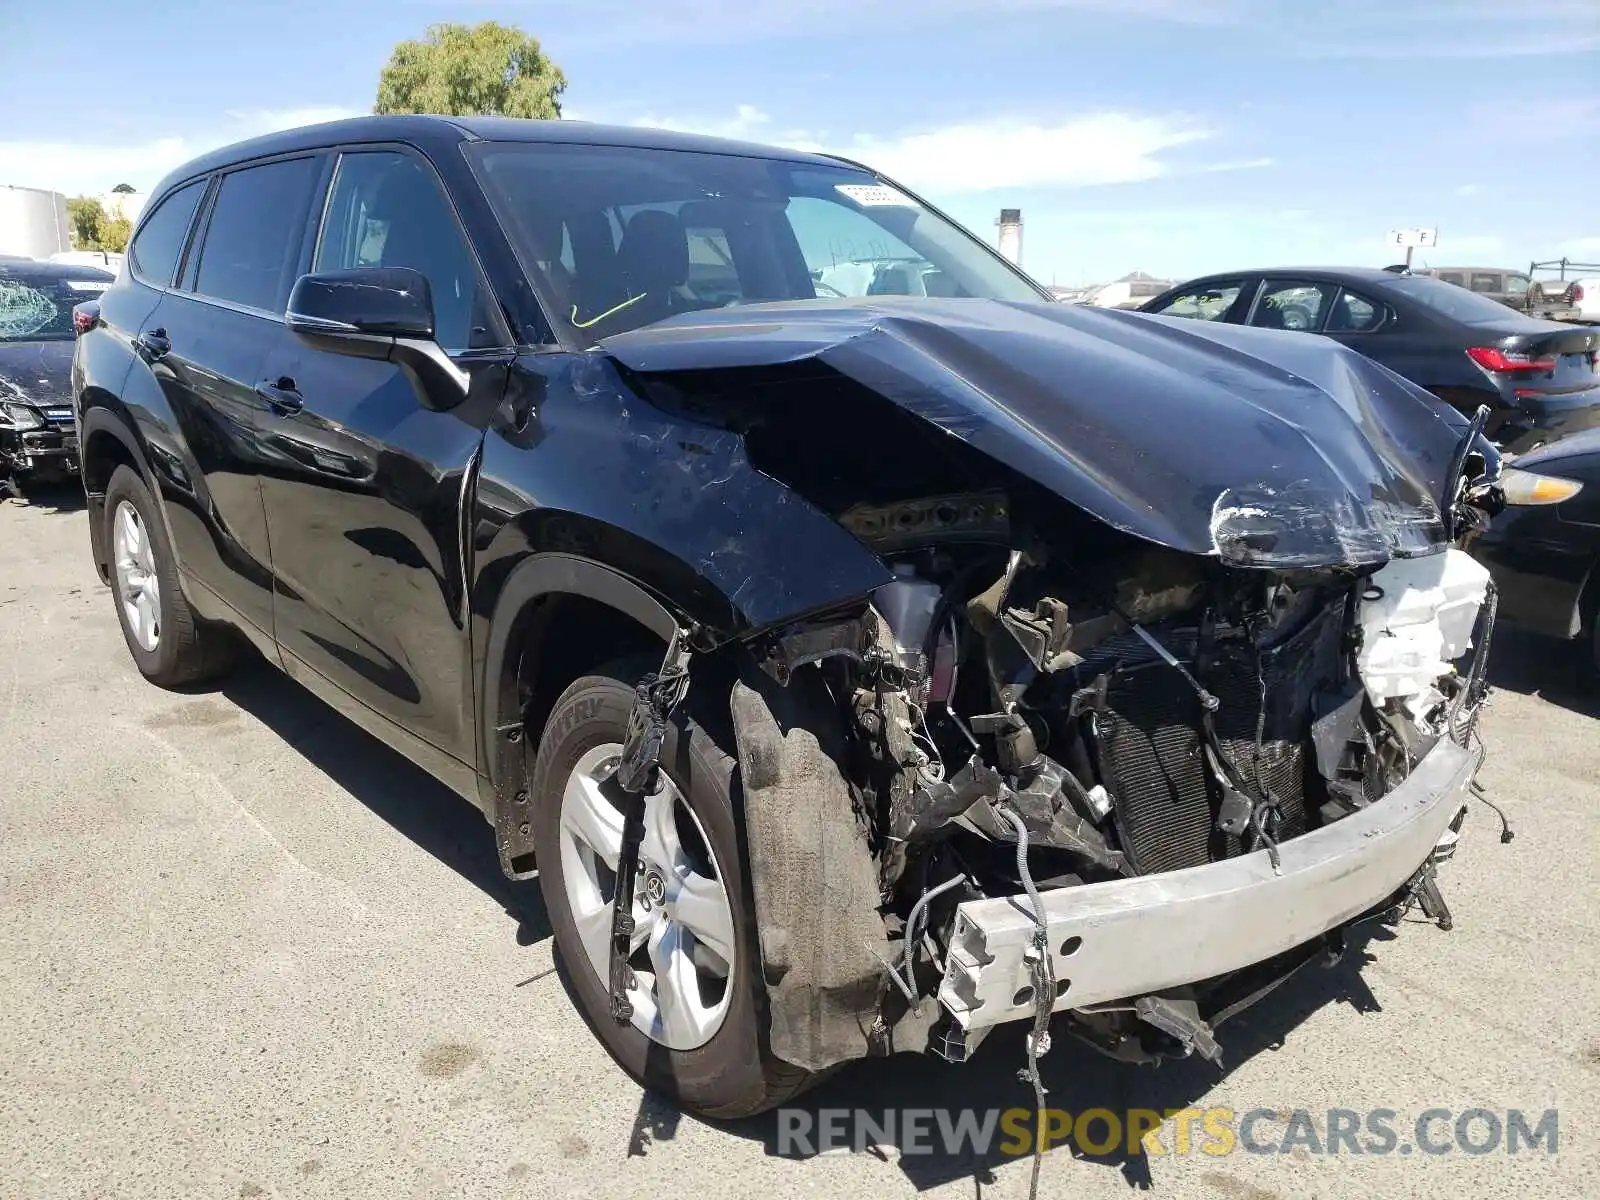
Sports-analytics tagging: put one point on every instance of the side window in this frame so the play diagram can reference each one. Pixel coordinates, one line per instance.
(1517, 285)
(386, 210)
(1291, 304)
(1455, 277)
(1485, 281)
(1354, 314)
(1209, 303)
(849, 254)
(159, 242)
(253, 235)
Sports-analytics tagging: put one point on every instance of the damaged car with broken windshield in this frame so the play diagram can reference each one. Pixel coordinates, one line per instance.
(857, 667)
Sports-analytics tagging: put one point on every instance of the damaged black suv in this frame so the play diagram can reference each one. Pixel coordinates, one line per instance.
(863, 649)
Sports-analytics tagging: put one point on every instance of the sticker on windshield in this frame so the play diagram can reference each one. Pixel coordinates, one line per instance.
(871, 195)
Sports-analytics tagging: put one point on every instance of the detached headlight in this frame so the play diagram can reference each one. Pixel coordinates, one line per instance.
(1529, 487)
(20, 416)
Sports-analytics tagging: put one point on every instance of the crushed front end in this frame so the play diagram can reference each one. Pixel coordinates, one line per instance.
(1138, 786)
(1175, 678)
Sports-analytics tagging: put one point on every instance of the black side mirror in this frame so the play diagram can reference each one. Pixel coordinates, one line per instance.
(378, 312)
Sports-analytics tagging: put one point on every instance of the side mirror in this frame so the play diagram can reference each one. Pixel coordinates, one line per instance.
(378, 312)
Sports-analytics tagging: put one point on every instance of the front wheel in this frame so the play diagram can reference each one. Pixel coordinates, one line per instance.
(699, 1027)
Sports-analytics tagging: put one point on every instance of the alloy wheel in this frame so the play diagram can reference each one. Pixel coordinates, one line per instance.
(684, 945)
(138, 584)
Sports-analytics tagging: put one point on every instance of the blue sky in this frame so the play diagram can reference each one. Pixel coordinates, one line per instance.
(1172, 136)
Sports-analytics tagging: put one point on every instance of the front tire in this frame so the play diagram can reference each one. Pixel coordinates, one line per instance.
(699, 1032)
(169, 643)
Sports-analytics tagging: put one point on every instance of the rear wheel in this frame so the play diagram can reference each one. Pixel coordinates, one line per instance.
(169, 643)
(699, 1026)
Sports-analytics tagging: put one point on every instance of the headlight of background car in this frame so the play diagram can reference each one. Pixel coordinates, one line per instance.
(20, 416)
(1529, 487)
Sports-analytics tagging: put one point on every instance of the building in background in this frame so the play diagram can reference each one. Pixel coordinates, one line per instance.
(33, 222)
(1010, 240)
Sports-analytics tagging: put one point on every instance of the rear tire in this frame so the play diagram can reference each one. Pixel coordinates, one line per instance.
(169, 643)
(732, 1073)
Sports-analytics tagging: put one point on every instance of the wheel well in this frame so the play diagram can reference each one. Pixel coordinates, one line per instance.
(559, 637)
(102, 454)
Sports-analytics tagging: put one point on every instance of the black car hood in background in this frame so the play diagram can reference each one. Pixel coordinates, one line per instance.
(1264, 448)
(40, 371)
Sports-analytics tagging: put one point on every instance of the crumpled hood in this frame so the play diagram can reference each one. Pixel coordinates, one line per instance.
(1262, 447)
(40, 371)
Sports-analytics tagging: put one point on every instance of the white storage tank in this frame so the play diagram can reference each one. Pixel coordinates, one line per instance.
(33, 222)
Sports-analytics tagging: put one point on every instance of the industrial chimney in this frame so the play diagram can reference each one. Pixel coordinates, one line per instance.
(1010, 224)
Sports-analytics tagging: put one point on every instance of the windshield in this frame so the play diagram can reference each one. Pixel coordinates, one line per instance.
(623, 236)
(36, 300)
(1453, 301)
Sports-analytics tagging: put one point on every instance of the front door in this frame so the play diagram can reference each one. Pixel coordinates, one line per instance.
(363, 483)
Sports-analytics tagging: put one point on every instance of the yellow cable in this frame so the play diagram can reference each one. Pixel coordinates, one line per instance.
(577, 324)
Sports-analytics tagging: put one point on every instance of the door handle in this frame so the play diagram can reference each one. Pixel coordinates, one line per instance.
(155, 343)
(281, 396)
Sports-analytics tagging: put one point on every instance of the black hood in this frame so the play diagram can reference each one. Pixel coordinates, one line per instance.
(1261, 447)
(39, 371)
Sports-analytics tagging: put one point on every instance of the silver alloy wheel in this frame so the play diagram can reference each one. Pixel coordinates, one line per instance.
(684, 943)
(138, 585)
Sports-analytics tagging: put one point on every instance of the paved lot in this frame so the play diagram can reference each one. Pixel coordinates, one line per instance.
(247, 951)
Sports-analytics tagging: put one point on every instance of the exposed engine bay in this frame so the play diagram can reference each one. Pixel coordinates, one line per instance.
(1020, 723)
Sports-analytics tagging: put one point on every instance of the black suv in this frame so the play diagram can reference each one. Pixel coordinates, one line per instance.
(792, 632)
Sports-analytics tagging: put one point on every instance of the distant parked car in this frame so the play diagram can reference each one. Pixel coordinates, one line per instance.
(1537, 377)
(1544, 550)
(1549, 299)
(38, 436)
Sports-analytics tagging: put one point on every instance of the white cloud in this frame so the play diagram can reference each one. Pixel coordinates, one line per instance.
(1468, 189)
(92, 167)
(996, 152)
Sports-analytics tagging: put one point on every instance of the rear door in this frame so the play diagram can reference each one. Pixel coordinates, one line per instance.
(364, 485)
(207, 341)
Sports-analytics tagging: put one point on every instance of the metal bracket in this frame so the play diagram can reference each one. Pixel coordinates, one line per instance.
(655, 697)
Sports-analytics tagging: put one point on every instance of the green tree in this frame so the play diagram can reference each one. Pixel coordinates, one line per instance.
(472, 70)
(114, 234)
(86, 217)
(123, 189)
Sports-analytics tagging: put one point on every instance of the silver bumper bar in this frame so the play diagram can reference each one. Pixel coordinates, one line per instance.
(1111, 941)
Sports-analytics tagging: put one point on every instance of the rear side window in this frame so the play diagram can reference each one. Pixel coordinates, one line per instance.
(254, 232)
(1455, 277)
(1354, 314)
(1485, 281)
(1292, 304)
(159, 242)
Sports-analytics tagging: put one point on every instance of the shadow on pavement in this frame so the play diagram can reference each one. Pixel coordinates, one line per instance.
(63, 497)
(1077, 1079)
(408, 798)
(1561, 672)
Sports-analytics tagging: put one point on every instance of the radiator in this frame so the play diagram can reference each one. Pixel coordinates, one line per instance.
(1150, 738)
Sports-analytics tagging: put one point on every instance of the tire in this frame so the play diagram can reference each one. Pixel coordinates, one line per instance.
(185, 650)
(733, 1074)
